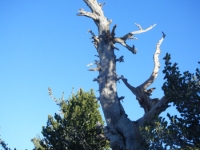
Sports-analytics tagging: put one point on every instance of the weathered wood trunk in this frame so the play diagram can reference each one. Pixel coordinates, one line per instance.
(120, 130)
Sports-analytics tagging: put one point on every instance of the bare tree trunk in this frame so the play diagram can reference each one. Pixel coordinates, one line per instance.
(119, 127)
(121, 131)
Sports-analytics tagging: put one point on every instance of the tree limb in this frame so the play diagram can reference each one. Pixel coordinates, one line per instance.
(121, 98)
(142, 30)
(133, 89)
(122, 40)
(131, 34)
(158, 108)
(154, 74)
(96, 79)
(143, 96)
(120, 59)
(149, 91)
(95, 39)
(113, 31)
(94, 69)
(141, 92)
(102, 4)
(82, 12)
(94, 7)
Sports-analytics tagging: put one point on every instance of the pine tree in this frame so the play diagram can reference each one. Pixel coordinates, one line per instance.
(182, 131)
(79, 126)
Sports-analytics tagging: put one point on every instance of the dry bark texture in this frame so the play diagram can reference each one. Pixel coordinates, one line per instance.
(120, 130)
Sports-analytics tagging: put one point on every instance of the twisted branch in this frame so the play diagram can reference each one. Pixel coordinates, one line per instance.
(154, 74)
(141, 92)
(122, 40)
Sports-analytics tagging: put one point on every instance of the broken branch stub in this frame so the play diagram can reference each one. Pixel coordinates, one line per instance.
(82, 12)
(120, 59)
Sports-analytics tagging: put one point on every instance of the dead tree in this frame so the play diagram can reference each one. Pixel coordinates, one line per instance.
(120, 130)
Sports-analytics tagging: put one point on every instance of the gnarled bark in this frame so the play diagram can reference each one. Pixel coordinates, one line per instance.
(120, 130)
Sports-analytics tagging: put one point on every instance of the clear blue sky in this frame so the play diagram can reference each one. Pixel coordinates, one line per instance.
(44, 44)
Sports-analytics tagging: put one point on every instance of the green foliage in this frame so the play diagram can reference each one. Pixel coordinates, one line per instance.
(36, 142)
(184, 92)
(80, 125)
(4, 145)
(155, 134)
(182, 132)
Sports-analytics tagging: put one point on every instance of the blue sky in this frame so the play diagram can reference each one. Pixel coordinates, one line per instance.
(44, 44)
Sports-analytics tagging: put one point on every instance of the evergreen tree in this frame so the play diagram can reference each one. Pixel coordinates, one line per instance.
(78, 127)
(182, 132)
